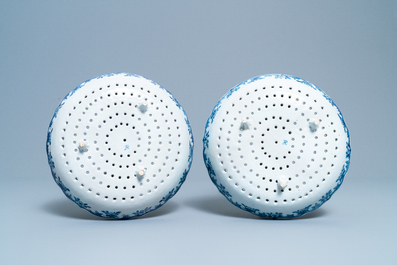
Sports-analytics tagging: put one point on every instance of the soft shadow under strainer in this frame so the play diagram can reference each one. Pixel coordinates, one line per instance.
(119, 146)
(276, 146)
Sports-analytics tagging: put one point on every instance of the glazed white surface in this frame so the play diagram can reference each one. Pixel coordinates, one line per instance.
(277, 146)
(120, 146)
(198, 50)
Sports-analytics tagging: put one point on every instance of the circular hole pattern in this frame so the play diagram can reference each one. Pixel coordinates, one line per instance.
(294, 146)
(116, 150)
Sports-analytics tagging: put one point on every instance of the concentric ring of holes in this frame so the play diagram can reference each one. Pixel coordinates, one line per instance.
(278, 143)
(122, 140)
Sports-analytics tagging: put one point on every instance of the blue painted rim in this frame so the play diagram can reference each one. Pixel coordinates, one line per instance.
(104, 213)
(274, 215)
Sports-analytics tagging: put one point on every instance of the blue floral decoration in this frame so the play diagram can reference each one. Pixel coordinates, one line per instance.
(105, 213)
(274, 215)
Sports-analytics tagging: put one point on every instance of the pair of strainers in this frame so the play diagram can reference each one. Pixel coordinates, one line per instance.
(120, 146)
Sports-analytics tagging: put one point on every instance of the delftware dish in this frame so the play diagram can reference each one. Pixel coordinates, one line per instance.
(119, 146)
(276, 146)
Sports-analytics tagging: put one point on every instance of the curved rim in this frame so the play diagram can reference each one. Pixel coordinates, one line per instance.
(104, 213)
(274, 215)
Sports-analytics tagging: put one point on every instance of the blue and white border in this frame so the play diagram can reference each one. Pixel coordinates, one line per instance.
(105, 213)
(274, 215)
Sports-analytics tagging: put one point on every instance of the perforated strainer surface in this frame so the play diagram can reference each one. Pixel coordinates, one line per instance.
(119, 145)
(276, 146)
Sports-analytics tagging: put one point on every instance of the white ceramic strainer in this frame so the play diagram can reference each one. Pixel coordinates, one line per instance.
(276, 146)
(119, 145)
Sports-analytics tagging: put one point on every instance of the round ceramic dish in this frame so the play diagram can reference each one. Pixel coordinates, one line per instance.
(276, 146)
(119, 146)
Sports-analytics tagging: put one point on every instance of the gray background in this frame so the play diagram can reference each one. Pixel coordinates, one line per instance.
(198, 50)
